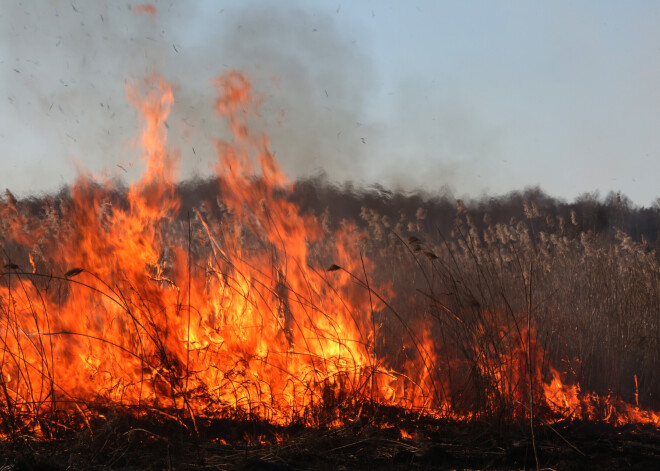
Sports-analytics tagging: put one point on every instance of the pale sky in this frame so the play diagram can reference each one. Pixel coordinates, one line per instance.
(475, 97)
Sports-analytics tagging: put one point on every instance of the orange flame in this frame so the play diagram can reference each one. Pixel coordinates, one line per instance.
(145, 9)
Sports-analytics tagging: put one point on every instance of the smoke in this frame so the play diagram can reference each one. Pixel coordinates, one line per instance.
(435, 140)
(316, 82)
(411, 110)
(65, 70)
(67, 65)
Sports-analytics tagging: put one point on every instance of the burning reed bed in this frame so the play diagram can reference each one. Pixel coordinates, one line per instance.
(460, 325)
(244, 307)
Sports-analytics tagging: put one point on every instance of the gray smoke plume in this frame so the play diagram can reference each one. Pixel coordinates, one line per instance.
(66, 65)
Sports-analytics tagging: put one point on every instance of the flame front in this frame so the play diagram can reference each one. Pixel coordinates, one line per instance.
(130, 303)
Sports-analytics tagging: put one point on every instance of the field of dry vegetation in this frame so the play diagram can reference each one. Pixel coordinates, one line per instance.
(252, 322)
(501, 313)
(585, 275)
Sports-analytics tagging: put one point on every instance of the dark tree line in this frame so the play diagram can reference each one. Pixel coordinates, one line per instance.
(591, 213)
(602, 216)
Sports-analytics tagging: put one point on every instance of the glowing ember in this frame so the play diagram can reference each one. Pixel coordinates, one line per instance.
(145, 9)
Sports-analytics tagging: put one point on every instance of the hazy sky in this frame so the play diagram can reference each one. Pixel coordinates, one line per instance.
(475, 97)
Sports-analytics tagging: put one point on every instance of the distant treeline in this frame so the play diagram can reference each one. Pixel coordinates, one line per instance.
(589, 213)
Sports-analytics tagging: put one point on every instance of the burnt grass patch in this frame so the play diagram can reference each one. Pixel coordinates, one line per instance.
(121, 441)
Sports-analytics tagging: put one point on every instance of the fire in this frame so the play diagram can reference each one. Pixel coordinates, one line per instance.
(145, 9)
(127, 303)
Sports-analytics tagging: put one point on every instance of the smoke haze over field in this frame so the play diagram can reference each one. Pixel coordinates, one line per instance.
(69, 101)
(427, 95)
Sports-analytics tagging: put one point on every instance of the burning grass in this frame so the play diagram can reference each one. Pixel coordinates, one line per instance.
(246, 308)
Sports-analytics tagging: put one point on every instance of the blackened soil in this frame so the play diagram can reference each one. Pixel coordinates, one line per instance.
(124, 443)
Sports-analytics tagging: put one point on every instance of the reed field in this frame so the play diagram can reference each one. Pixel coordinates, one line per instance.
(200, 308)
